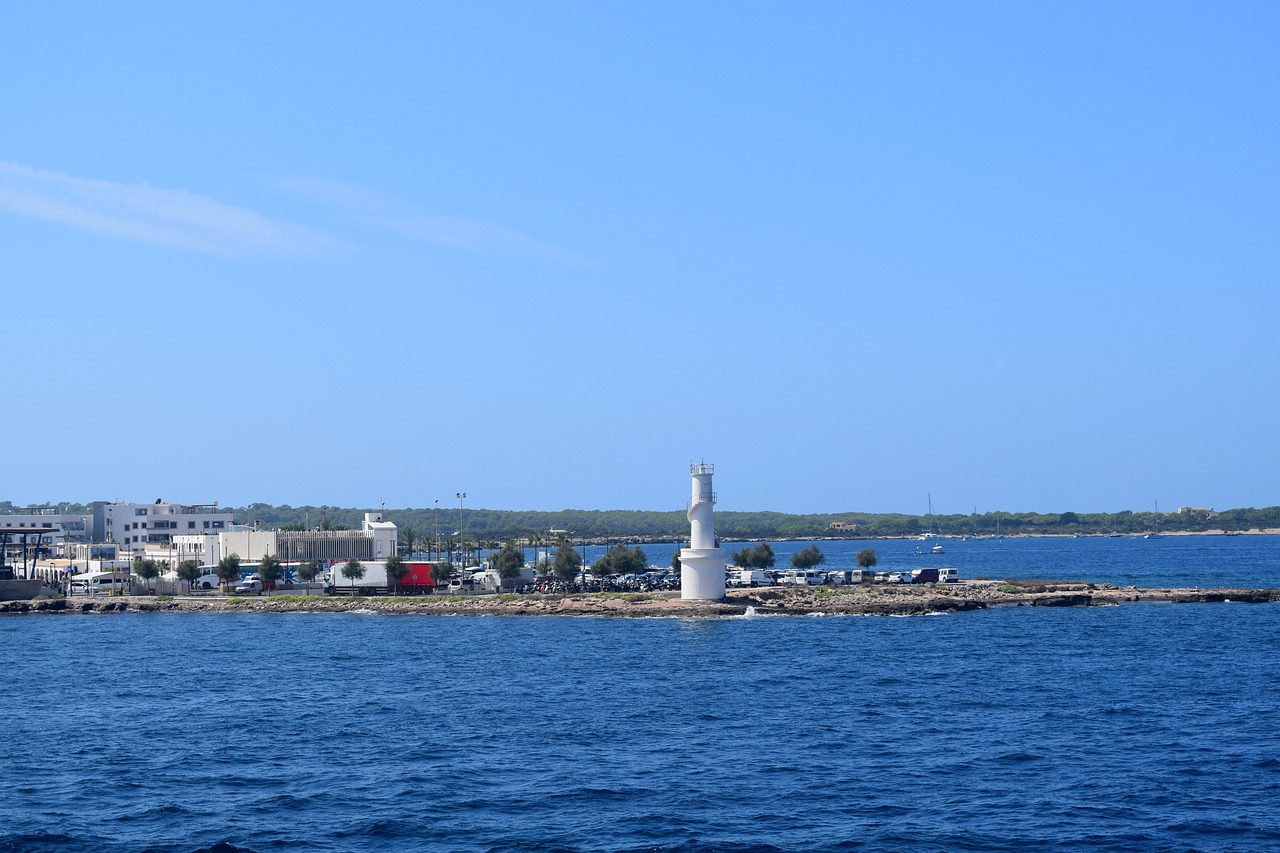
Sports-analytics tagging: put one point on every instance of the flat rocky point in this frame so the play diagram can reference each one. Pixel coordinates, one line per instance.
(863, 600)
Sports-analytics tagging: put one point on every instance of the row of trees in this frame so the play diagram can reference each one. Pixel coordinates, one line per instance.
(761, 556)
(495, 526)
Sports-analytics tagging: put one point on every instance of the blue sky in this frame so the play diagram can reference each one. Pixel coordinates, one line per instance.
(1017, 256)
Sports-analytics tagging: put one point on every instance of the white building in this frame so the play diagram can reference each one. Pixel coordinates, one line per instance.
(134, 526)
(68, 527)
(375, 540)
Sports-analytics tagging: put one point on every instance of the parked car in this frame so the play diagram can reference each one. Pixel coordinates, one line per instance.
(948, 575)
(899, 577)
(250, 585)
(205, 582)
(924, 576)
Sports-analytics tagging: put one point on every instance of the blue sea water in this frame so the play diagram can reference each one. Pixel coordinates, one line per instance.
(1140, 727)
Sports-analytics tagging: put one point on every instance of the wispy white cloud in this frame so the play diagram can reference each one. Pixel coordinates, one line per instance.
(390, 214)
(173, 218)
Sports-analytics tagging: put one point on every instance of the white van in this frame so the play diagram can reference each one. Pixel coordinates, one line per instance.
(948, 575)
(803, 577)
(753, 577)
(206, 582)
(99, 583)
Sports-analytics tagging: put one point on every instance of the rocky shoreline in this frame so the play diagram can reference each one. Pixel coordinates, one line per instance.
(858, 600)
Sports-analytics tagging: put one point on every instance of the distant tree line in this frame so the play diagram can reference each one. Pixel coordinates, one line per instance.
(487, 524)
(501, 525)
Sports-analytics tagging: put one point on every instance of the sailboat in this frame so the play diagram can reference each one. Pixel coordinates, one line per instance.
(930, 534)
(1155, 532)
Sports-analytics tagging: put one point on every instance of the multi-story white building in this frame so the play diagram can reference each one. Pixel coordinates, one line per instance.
(134, 526)
(68, 527)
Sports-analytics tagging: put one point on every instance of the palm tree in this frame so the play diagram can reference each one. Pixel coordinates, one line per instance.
(535, 540)
(409, 536)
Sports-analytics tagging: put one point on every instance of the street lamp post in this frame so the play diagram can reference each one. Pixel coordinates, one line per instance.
(436, 518)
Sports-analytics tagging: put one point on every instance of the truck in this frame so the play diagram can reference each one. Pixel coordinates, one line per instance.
(416, 579)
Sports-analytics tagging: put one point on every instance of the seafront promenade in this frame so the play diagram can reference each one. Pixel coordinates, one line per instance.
(854, 600)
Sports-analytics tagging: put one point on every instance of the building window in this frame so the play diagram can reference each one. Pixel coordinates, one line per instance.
(206, 525)
(217, 524)
(191, 525)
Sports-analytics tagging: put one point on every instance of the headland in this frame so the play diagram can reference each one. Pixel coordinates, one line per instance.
(852, 600)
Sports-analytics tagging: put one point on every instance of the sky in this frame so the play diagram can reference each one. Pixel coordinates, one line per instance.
(860, 256)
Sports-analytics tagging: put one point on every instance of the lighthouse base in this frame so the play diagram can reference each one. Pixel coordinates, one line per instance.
(701, 574)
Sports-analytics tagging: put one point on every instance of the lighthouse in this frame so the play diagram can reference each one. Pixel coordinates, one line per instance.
(702, 563)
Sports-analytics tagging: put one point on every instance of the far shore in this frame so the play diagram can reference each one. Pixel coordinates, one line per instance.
(854, 600)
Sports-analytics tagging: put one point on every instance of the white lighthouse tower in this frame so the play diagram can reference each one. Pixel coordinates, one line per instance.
(702, 563)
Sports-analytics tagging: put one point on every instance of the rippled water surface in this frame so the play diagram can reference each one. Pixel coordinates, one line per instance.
(1147, 726)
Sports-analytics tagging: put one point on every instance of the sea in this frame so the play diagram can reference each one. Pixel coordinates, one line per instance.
(1145, 726)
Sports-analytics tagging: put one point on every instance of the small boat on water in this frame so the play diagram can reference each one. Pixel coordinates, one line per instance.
(936, 549)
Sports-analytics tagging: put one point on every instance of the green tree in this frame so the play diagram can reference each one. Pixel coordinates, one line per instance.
(620, 560)
(742, 557)
(353, 571)
(146, 569)
(762, 556)
(188, 570)
(867, 558)
(675, 562)
(441, 572)
(567, 561)
(807, 558)
(308, 571)
(509, 562)
(270, 570)
(395, 571)
(229, 568)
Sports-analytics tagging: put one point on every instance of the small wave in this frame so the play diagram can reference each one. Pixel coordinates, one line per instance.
(224, 847)
(44, 841)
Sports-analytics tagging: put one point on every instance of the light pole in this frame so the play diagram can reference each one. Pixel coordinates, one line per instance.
(436, 517)
(462, 528)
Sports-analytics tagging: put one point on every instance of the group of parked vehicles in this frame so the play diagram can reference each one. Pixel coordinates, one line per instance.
(654, 580)
(816, 577)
